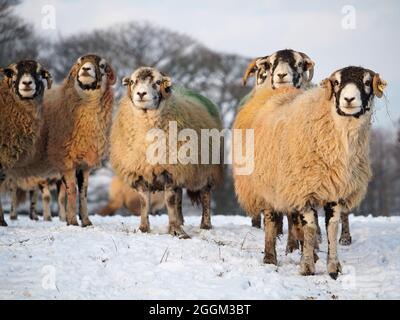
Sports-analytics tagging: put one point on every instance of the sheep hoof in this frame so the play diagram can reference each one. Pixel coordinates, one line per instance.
(345, 240)
(178, 232)
(86, 223)
(334, 268)
(307, 268)
(270, 259)
(34, 217)
(206, 226)
(144, 228)
(256, 222)
(3, 223)
(63, 219)
(72, 222)
(292, 246)
(47, 219)
(13, 217)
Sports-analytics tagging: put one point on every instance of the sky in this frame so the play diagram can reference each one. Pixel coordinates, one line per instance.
(334, 34)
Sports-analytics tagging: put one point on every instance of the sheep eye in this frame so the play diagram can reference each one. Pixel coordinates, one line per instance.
(158, 82)
(368, 83)
(102, 66)
(301, 64)
(336, 83)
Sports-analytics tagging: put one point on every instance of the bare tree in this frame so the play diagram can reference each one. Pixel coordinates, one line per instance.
(17, 38)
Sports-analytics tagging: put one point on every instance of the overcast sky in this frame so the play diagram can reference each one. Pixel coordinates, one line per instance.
(258, 27)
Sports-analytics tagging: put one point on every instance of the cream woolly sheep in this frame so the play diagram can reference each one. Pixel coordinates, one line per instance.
(21, 93)
(152, 103)
(79, 114)
(283, 69)
(122, 195)
(312, 152)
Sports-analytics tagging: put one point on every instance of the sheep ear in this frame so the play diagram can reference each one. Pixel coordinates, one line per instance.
(47, 76)
(166, 87)
(327, 85)
(126, 81)
(310, 64)
(378, 85)
(8, 72)
(111, 74)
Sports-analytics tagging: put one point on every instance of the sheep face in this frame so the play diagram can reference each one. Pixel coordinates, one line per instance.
(147, 87)
(91, 73)
(353, 89)
(283, 68)
(26, 79)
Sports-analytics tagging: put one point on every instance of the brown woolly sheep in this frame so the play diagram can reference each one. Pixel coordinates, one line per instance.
(328, 169)
(278, 72)
(152, 104)
(122, 195)
(79, 116)
(21, 93)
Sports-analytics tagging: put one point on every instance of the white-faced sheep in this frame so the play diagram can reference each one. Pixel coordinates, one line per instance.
(152, 103)
(21, 94)
(311, 152)
(274, 74)
(122, 195)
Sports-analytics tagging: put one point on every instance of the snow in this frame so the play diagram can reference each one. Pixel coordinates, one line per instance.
(112, 260)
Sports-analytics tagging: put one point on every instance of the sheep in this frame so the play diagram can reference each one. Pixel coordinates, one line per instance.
(312, 151)
(122, 195)
(278, 72)
(152, 103)
(79, 116)
(21, 94)
(20, 187)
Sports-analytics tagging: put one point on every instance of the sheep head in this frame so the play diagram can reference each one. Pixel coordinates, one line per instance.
(91, 72)
(147, 87)
(25, 79)
(353, 89)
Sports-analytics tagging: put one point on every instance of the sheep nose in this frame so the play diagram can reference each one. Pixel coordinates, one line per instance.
(349, 100)
(27, 83)
(141, 95)
(282, 75)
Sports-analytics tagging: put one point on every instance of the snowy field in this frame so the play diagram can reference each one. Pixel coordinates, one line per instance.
(112, 260)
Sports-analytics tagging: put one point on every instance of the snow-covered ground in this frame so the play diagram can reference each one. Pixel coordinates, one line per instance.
(112, 260)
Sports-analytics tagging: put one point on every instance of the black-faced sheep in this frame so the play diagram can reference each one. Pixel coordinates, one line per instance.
(21, 94)
(312, 151)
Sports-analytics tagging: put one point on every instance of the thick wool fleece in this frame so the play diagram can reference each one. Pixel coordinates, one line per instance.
(306, 154)
(244, 120)
(20, 125)
(78, 128)
(129, 144)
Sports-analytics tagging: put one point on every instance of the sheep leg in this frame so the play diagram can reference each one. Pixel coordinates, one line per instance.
(270, 229)
(70, 186)
(33, 196)
(256, 221)
(2, 221)
(61, 193)
(83, 182)
(332, 218)
(279, 223)
(144, 196)
(292, 243)
(345, 237)
(46, 200)
(175, 225)
(319, 234)
(205, 199)
(179, 195)
(14, 203)
(307, 264)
